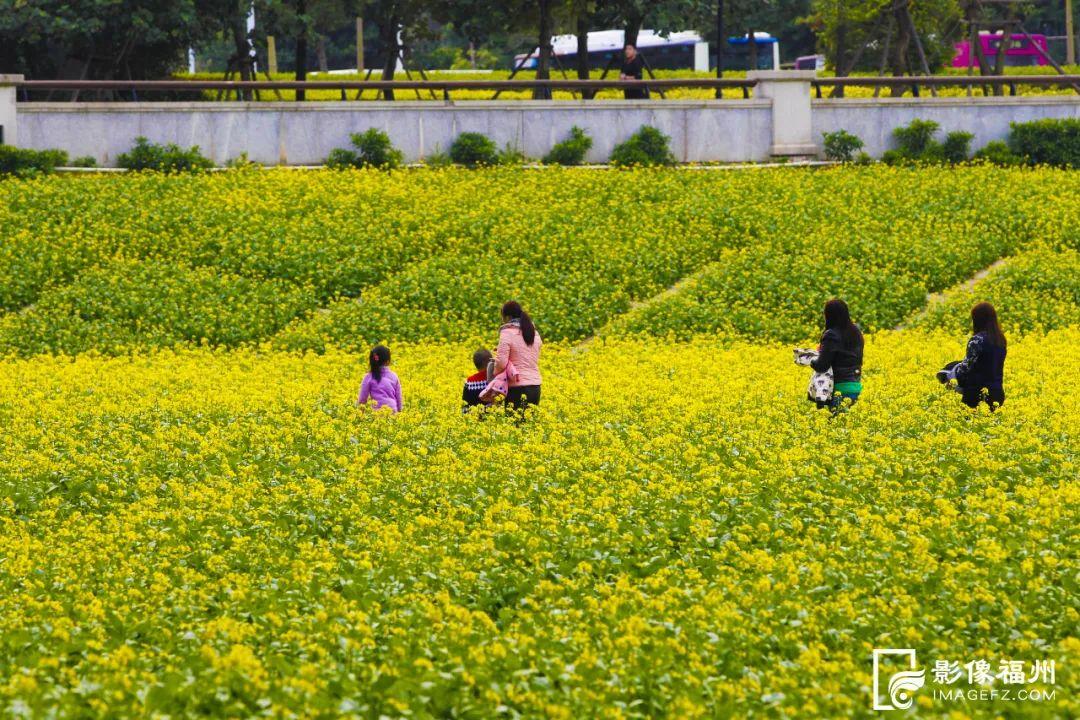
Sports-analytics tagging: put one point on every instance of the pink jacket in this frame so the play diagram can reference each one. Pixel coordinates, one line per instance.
(526, 358)
(499, 384)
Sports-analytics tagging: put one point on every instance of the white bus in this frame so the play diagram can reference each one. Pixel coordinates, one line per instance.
(679, 50)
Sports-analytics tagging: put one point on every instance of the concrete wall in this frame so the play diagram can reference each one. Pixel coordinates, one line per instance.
(780, 120)
(987, 118)
(294, 134)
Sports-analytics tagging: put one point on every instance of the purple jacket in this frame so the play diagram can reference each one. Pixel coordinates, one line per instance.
(384, 392)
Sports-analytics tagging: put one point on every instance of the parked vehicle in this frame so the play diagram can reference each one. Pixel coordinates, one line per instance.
(1021, 51)
(678, 50)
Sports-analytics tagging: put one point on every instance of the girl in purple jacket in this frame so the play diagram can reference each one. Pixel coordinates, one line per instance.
(381, 387)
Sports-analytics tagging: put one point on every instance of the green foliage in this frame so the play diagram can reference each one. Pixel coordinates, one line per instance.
(438, 159)
(647, 147)
(571, 151)
(372, 149)
(511, 155)
(163, 158)
(103, 39)
(86, 161)
(841, 145)
(430, 254)
(842, 27)
(1035, 291)
(915, 144)
(474, 150)
(130, 304)
(1047, 142)
(242, 162)
(997, 152)
(23, 162)
(957, 146)
(915, 139)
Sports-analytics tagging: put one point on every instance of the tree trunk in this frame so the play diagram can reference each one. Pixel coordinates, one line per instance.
(721, 43)
(543, 66)
(840, 64)
(751, 47)
(899, 61)
(242, 45)
(583, 51)
(320, 53)
(301, 52)
(388, 34)
(632, 30)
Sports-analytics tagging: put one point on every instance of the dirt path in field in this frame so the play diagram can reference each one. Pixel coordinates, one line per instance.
(935, 299)
(637, 304)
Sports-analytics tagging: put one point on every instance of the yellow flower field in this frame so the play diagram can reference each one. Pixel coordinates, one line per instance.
(223, 533)
(195, 520)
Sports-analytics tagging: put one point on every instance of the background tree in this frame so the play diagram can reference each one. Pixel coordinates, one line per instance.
(96, 39)
(413, 19)
(900, 35)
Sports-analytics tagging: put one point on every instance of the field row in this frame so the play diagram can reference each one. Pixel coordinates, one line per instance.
(316, 260)
(222, 533)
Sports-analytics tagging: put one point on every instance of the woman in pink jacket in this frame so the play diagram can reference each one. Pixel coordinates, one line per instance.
(519, 344)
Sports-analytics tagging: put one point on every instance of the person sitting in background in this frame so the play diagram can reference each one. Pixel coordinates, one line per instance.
(475, 383)
(380, 387)
(979, 376)
(632, 66)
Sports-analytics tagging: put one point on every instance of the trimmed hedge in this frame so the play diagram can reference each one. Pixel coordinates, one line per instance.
(23, 162)
(1047, 142)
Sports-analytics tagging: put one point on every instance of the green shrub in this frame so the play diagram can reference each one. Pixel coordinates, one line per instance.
(998, 153)
(571, 151)
(915, 139)
(841, 146)
(511, 155)
(915, 144)
(23, 162)
(372, 149)
(438, 159)
(648, 146)
(864, 158)
(86, 161)
(163, 158)
(957, 146)
(242, 162)
(1047, 142)
(473, 150)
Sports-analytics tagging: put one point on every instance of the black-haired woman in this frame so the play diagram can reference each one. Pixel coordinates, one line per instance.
(980, 375)
(519, 347)
(841, 349)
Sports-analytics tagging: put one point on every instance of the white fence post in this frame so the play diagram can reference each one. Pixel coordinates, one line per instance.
(9, 127)
(792, 124)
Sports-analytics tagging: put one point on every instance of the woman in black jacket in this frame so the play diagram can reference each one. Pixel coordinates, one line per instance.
(841, 349)
(979, 376)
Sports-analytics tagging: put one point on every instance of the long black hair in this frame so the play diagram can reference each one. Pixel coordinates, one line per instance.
(379, 358)
(513, 311)
(984, 319)
(837, 317)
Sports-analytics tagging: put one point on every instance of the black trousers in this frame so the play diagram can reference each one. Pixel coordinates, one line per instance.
(973, 396)
(520, 397)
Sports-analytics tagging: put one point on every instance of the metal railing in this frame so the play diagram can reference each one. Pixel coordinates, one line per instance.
(344, 87)
(130, 89)
(932, 82)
